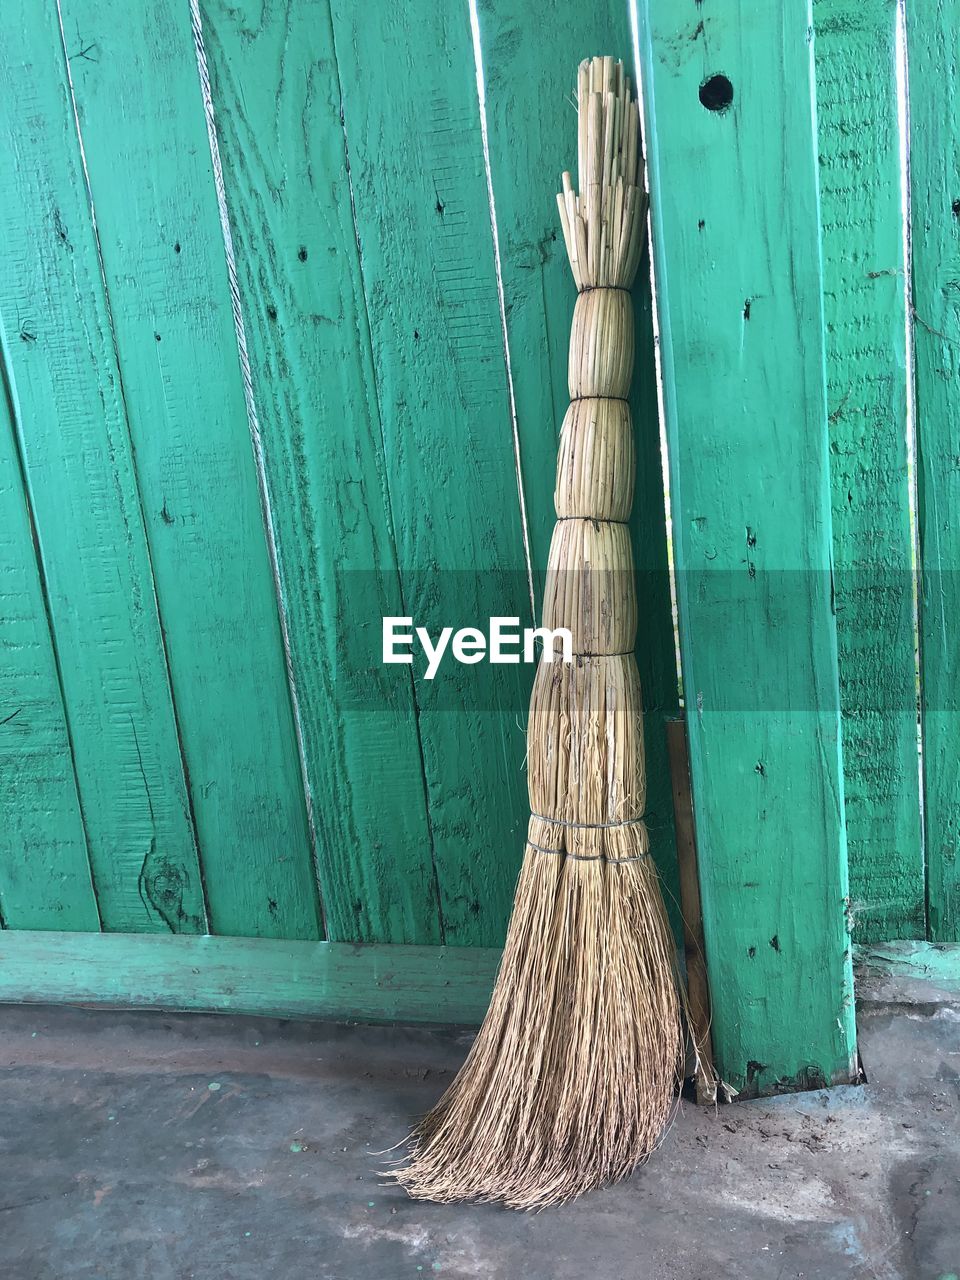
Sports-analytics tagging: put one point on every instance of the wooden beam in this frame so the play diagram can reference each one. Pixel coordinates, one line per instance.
(935, 213)
(242, 975)
(861, 218)
(732, 155)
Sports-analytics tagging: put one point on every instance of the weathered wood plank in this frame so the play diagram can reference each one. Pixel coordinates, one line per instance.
(142, 118)
(861, 218)
(239, 975)
(423, 227)
(934, 61)
(44, 871)
(736, 239)
(904, 972)
(77, 456)
(283, 150)
(530, 72)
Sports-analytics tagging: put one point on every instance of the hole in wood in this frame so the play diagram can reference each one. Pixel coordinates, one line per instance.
(716, 93)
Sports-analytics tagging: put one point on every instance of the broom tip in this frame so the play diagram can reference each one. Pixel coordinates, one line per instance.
(572, 1079)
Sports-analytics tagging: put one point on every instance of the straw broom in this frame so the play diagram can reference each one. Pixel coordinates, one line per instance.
(571, 1079)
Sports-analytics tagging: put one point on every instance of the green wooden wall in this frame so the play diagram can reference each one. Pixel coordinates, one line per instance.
(284, 318)
(259, 397)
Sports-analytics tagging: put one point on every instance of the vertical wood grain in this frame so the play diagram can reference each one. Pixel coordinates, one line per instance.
(78, 462)
(737, 245)
(277, 106)
(530, 70)
(934, 68)
(44, 870)
(141, 117)
(862, 221)
(423, 228)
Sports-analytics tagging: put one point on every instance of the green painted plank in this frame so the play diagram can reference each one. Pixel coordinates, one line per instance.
(44, 871)
(328, 980)
(905, 972)
(862, 225)
(419, 190)
(736, 239)
(277, 107)
(530, 73)
(934, 62)
(143, 125)
(77, 456)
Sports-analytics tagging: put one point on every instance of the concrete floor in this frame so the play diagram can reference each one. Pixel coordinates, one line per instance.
(138, 1146)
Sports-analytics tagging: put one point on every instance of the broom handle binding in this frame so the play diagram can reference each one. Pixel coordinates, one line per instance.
(620, 653)
(619, 399)
(587, 857)
(592, 519)
(589, 826)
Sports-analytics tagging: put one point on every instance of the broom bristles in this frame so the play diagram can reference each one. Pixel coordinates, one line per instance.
(571, 1079)
(570, 1082)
